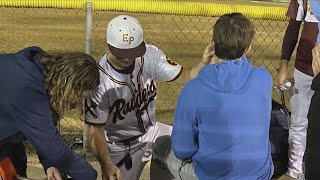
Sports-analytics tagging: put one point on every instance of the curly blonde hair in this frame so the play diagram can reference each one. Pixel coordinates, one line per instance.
(68, 75)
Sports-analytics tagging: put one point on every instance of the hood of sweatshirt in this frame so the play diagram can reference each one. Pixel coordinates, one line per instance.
(226, 76)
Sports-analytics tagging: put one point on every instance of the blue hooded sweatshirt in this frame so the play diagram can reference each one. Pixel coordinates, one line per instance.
(222, 122)
(315, 6)
(25, 112)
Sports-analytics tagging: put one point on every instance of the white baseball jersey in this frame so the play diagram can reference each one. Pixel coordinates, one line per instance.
(304, 12)
(126, 101)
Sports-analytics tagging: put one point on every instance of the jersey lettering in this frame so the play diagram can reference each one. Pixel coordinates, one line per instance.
(128, 39)
(88, 108)
(140, 101)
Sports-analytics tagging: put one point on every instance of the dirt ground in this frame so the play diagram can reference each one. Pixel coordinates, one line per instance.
(182, 38)
(36, 171)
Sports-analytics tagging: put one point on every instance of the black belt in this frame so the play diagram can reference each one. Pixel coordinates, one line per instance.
(127, 160)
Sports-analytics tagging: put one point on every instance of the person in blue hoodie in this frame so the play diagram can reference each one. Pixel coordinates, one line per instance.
(221, 122)
(312, 156)
(37, 88)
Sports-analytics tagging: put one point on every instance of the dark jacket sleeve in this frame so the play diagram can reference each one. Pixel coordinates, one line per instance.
(316, 83)
(312, 156)
(37, 126)
(290, 39)
(292, 11)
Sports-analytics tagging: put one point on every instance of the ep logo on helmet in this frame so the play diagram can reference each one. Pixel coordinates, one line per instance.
(126, 38)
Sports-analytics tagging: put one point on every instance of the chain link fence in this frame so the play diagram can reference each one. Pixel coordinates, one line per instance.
(182, 38)
(51, 29)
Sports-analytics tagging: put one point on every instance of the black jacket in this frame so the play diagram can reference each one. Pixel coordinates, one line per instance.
(312, 155)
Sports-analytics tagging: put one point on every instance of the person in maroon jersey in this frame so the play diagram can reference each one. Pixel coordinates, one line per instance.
(298, 11)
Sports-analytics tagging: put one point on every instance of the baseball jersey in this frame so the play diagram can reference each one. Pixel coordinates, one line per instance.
(126, 100)
(298, 11)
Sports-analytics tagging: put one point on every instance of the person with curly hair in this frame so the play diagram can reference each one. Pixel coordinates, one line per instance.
(37, 88)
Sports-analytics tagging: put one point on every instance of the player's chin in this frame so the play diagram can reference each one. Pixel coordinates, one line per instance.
(126, 65)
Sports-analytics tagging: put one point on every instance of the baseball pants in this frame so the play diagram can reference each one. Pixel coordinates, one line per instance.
(299, 102)
(140, 151)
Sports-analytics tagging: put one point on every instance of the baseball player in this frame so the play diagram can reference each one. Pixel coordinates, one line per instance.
(121, 111)
(298, 11)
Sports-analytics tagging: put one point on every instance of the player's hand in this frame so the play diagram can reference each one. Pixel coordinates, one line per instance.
(316, 60)
(110, 172)
(53, 174)
(283, 74)
(208, 53)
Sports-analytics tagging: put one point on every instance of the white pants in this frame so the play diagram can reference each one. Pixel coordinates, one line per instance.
(140, 151)
(300, 102)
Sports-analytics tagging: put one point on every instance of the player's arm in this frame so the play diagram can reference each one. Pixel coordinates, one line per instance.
(96, 115)
(163, 69)
(192, 72)
(100, 149)
(288, 45)
(289, 41)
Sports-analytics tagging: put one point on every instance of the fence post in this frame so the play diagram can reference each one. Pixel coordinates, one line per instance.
(85, 147)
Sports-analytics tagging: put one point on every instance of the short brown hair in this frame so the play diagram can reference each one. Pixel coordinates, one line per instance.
(67, 76)
(232, 35)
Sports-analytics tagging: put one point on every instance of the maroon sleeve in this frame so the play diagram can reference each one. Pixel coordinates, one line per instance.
(293, 9)
(290, 39)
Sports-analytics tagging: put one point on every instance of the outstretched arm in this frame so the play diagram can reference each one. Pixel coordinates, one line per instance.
(192, 72)
(100, 149)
